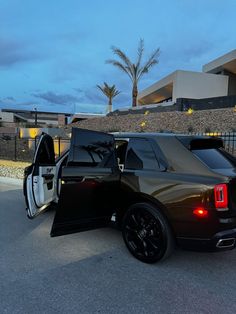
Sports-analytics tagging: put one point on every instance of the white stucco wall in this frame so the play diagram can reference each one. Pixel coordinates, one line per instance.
(196, 85)
(227, 61)
(6, 116)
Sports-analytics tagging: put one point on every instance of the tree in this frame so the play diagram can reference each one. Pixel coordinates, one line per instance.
(109, 91)
(134, 70)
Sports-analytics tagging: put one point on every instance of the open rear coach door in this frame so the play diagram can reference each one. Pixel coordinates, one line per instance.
(40, 184)
(90, 182)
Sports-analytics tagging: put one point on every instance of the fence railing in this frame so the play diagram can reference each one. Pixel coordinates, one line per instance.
(229, 142)
(14, 148)
(20, 149)
(229, 139)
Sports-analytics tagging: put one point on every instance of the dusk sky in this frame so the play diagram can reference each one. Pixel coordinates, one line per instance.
(52, 53)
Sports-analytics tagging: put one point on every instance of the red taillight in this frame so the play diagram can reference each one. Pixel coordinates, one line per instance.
(200, 212)
(221, 196)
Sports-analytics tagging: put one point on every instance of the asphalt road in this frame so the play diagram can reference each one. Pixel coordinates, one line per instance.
(92, 272)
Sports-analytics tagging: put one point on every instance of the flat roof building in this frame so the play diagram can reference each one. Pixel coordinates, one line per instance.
(14, 117)
(217, 79)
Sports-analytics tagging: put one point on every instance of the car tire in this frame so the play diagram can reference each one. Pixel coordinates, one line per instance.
(147, 233)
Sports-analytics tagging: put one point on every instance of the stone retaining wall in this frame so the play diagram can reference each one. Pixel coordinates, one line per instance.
(219, 120)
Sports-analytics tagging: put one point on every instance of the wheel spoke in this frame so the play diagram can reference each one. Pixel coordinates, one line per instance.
(137, 242)
(132, 230)
(155, 246)
(138, 219)
(145, 220)
(134, 219)
(144, 243)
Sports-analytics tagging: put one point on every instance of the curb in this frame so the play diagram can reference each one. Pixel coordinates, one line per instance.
(12, 181)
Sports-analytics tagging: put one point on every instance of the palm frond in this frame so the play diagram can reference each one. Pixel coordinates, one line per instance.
(146, 69)
(135, 70)
(109, 91)
(101, 88)
(140, 52)
(153, 56)
(149, 63)
(115, 91)
(122, 56)
(120, 66)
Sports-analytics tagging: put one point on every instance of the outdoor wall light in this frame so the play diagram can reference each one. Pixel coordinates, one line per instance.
(189, 111)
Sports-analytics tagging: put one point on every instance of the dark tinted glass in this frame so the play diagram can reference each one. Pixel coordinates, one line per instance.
(91, 149)
(46, 154)
(213, 158)
(140, 155)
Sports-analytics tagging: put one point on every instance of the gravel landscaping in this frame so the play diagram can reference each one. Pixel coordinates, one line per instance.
(218, 120)
(12, 169)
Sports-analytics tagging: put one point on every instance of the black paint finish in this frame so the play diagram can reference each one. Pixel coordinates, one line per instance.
(89, 183)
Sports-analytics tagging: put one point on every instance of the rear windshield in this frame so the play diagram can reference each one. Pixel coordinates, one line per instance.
(215, 158)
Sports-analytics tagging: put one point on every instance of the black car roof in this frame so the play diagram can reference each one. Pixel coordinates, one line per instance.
(153, 135)
(188, 140)
(141, 134)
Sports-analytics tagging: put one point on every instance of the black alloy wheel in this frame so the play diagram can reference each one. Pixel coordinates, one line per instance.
(146, 233)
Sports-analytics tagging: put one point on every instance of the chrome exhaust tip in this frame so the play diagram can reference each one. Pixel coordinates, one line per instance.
(226, 243)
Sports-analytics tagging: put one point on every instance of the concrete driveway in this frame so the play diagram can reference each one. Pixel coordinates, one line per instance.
(92, 272)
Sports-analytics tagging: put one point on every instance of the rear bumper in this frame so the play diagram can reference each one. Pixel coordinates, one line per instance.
(224, 240)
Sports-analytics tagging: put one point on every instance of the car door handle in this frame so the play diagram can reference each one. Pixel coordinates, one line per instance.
(74, 179)
(48, 176)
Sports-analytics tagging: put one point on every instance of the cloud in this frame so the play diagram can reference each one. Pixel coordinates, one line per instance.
(94, 95)
(198, 49)
(59, 99)
(90, 95)
(78, 90)
(14, 51)
(96, 99)
(10, 98)
(7, 100)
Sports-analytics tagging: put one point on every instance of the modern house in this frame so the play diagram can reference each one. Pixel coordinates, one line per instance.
(15, 118)
(217, 79)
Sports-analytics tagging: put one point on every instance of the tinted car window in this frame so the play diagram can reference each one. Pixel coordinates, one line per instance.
(94, 155)
(140, 155)
(46, 153)
(91, 149)
(213, 158)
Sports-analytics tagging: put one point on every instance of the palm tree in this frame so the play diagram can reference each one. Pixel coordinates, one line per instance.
(134, 70)
(109, 91)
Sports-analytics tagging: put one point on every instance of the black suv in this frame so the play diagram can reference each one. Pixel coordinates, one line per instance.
(162, 189)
